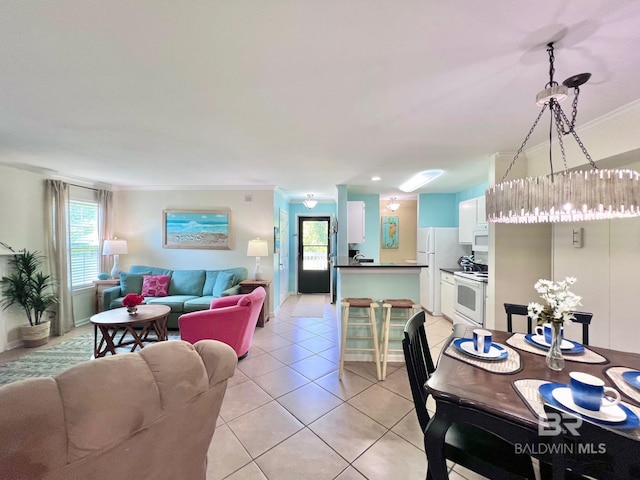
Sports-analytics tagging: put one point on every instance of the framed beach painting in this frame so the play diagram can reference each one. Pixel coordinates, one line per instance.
(205, 229)
(390, 231)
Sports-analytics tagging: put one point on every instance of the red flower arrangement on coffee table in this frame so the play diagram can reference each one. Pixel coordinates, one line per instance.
(131, 301)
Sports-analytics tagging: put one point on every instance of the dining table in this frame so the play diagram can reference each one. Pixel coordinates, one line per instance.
(503, 396)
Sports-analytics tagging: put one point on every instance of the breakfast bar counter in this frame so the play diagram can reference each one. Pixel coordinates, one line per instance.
(377, 281)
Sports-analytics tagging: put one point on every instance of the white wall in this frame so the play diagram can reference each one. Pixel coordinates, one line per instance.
(22, 224)
(605, 267)
(138, 220)
(523, 256)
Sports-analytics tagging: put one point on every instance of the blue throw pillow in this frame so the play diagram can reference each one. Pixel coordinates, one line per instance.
(209, 282)
(187, 282)
(224, 280)
(131, 282)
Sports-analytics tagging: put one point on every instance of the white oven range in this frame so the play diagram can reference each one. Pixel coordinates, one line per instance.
(470, 290)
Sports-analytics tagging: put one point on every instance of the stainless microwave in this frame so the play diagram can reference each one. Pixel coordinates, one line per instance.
(480, 241)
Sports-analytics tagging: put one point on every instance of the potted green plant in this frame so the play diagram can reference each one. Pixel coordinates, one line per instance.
(28, 286)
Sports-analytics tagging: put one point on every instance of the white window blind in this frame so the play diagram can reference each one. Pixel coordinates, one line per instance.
(83, 236)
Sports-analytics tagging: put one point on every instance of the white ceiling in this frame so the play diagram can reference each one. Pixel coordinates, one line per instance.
(303, 95)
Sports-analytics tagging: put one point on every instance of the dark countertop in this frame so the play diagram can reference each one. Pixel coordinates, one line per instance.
(451, 269)
(346, 262)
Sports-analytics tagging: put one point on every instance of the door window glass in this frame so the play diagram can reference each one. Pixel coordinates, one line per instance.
(315, 245)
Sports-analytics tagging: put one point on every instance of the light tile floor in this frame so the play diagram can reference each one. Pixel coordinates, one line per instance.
(287, 416)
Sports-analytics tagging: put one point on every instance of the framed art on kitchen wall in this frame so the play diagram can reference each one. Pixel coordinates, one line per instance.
(390, 231)
(197, 229)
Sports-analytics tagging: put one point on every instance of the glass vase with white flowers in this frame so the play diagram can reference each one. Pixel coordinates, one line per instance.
(559, 307)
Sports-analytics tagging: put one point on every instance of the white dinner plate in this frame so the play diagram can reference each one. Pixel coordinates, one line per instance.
(539, 339)
(547, 390)
(496, 351)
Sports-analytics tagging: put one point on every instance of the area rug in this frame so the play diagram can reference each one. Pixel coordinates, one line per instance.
(54, 360)
(310, 306)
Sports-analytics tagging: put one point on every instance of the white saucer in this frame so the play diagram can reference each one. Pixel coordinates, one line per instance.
(494, 351)
(539, 339)
(609, 413)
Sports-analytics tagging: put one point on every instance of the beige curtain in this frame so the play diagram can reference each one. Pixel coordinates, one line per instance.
(57, 198)
(105, 208)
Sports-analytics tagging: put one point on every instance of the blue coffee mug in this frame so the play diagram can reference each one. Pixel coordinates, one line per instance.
(481, 340)
(590, 393)
(546, 330)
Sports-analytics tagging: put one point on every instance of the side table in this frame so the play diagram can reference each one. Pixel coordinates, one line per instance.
(248, 286)
(102, 285)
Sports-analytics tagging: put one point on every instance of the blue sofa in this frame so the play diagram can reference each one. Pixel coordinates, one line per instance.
(189, 290)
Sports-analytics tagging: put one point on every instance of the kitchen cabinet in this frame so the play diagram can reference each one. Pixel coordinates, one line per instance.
(355, 222)
(472, 214)
(481, 211)
(447, 294)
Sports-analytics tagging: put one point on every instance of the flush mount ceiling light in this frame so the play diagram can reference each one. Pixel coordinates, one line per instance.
(310, 202)
(393, 204)
(376, 178)
(420, 179)
(567, 196)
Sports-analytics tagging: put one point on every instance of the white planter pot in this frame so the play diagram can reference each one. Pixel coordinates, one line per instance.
(35, 336)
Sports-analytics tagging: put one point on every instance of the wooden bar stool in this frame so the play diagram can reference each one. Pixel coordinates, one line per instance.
(396, 314)
(363, 316)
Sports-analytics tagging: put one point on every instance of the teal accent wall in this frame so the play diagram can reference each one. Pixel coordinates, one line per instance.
(437, 210)
(441, 209)
(371, 247)
(279, 202)
(472, 192)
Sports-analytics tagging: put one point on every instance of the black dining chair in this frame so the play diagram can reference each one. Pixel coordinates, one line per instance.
(512, 309)
(515, 309)
(469, 446)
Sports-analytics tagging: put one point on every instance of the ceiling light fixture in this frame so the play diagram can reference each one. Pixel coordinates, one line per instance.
(393, 204)
(376, 178)
(420, 179)
(567, 196)
(310, 202)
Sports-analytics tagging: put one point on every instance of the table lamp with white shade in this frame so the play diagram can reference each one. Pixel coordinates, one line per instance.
(115, 248)
(257, 248)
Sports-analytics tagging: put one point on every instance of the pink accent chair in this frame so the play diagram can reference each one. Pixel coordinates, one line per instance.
(231, 320)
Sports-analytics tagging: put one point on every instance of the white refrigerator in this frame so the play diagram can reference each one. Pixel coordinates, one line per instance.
(437, 248)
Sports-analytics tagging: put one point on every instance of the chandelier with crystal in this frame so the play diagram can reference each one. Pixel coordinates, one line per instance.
(568, 196)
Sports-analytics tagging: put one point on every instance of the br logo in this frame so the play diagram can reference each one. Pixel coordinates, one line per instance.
(558, 423)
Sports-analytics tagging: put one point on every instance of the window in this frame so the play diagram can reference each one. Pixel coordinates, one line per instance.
(84, 242)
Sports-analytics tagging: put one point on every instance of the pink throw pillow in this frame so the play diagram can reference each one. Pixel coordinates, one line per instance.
(155, 285)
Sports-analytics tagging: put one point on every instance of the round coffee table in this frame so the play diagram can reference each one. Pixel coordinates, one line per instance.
(151, 319)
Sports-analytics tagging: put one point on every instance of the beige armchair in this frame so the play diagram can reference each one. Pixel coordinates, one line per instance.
(146, 415)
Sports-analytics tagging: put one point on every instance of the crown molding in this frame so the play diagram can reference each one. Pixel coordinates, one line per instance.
(192, 187)
(629, 110)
